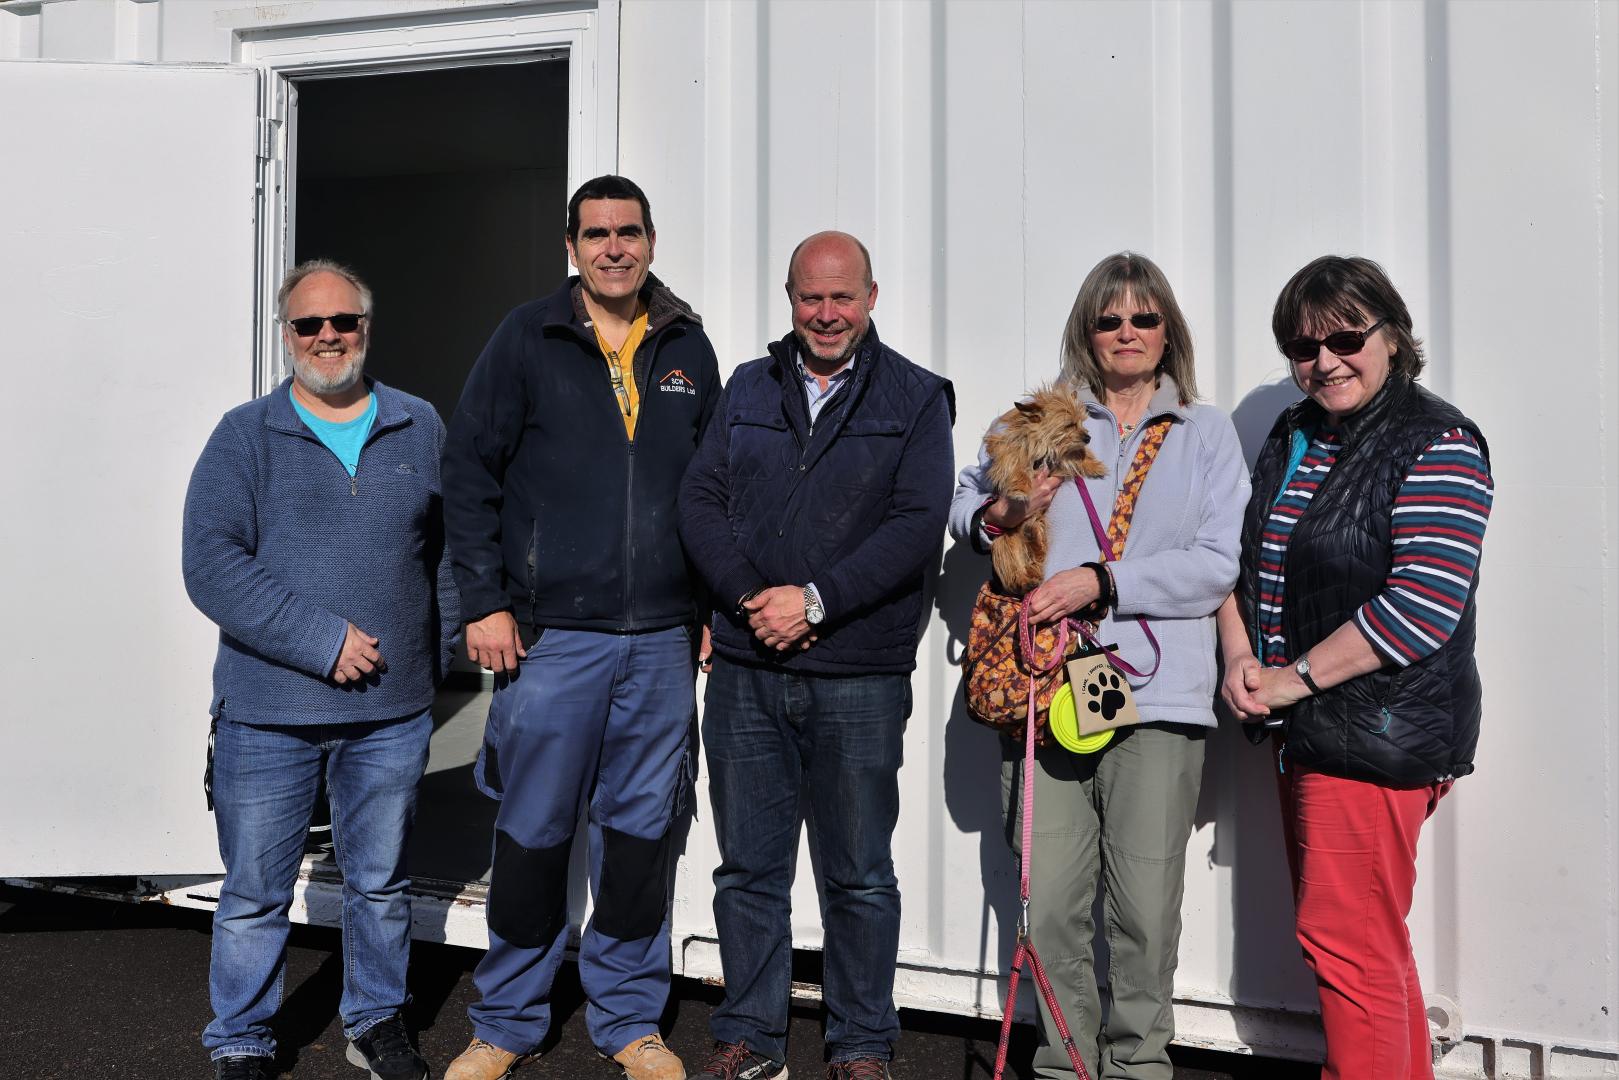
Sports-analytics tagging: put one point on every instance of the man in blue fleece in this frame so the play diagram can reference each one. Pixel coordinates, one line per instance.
(314, 539)
(814, 510)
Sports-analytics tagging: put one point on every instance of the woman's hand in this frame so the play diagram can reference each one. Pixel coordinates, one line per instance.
(1279, 687)
(1063, 594)
(1242, 678)
(1007, 514)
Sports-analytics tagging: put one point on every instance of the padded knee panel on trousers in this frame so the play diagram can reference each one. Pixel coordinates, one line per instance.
(635, 885)
(528, 891)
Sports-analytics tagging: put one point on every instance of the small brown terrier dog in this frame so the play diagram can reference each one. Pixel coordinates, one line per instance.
(1047, 431)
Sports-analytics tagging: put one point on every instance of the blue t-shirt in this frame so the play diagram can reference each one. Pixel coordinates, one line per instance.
(344, 438)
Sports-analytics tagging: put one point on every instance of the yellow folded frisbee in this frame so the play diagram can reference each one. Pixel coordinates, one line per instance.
(1064, 719)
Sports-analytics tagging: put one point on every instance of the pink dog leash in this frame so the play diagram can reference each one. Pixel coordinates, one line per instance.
(1025, 944)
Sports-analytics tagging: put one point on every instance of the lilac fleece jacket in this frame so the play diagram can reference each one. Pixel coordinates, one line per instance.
(1180, 560)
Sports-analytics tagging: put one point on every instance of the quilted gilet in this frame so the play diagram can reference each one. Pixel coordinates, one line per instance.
(804, 496)
(1400, 727)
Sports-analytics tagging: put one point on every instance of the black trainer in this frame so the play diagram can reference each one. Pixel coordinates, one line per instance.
(734, 1061)
(386, 1050)
(242, 1067)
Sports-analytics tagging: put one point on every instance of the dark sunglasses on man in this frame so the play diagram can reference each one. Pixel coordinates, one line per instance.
(1301, 350)
(310, 325)
(1141, 320)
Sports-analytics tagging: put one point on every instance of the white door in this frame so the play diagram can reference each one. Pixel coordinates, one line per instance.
(127, 211)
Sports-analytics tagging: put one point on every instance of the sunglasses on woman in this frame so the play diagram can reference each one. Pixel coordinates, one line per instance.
(309, 326)
(1141, 320)
(1301, 350)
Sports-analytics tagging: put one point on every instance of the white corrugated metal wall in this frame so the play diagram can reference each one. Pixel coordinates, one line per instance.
(990, 151)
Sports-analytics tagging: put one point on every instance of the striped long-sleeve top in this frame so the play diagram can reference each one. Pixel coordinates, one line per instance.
(1439, 519)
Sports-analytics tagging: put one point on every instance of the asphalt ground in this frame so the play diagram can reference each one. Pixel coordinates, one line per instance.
(98, 988)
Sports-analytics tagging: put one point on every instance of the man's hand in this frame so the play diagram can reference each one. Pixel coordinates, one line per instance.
(705, 650)
(358, 657)
(1242, 676)
(493, 642)
(1007, 514)
(1064, 594)
(777, 617)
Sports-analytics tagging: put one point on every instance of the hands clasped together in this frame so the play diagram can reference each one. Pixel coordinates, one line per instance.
(1251, 690)
(778, 617)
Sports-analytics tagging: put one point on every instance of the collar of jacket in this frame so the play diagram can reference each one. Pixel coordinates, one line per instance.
(785, 370)
(281, 416)
(1166, 401)
(662, 307)
(1306, 415)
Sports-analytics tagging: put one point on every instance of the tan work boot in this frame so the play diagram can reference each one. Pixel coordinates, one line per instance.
(647, 1058)
(484, 1061)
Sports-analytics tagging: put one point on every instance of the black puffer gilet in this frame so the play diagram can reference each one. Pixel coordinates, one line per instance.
(1400, 727)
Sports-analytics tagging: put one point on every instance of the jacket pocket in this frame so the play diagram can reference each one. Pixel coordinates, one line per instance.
(760, 447)
(866, 454)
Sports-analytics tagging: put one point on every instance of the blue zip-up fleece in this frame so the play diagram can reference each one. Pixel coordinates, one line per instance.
(855, 504)
(1180, 556)
(282, 549)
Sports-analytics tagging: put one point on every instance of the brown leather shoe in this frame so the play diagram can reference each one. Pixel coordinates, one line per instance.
(647, 1058)
(484, 1061)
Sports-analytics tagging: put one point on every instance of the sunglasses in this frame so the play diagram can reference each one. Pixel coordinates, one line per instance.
(1141, 320)
(309, 326)
(1301, 350)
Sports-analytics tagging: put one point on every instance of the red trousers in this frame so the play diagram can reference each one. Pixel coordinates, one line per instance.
(1352, 848)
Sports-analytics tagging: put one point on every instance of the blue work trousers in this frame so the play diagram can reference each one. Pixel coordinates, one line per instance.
(590, 720)
(769, 736)
(265, 783)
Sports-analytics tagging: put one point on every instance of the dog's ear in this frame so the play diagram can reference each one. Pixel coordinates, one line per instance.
(1029, 409)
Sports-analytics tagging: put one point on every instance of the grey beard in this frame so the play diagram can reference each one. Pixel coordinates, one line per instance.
(316, 383)
(804, 349)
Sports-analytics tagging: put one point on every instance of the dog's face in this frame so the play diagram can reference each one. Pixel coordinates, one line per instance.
(1047, 431)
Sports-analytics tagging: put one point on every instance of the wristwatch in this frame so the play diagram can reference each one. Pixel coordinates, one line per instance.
(1303, 668)
(813, 611)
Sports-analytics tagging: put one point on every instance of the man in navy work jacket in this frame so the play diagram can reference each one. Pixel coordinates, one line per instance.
(814, 511)
(561, 475)
(314, 539)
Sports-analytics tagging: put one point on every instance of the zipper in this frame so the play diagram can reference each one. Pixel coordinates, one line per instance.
(629, 563)
(354, 481)
(613, 372)
(1383, 706)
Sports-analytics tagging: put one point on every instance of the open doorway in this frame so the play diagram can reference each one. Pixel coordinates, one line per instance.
(446, 190)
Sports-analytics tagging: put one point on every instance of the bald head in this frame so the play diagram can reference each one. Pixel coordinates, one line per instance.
(839, 245)
(829, 284)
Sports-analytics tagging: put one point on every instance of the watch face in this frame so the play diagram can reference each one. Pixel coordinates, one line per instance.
(1303, 666)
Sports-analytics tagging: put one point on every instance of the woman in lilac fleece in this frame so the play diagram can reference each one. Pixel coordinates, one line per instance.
(1124, 814)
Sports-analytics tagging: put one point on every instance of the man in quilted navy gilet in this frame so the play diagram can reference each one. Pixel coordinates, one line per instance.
(814, 511)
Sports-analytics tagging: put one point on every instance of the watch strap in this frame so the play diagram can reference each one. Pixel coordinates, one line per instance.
(1302, 666)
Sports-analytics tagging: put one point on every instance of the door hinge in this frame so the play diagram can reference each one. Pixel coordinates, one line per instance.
(268, 128)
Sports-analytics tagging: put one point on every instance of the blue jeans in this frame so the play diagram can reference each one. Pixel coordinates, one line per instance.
(265, 780)
(769, 735)
(600, 721)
